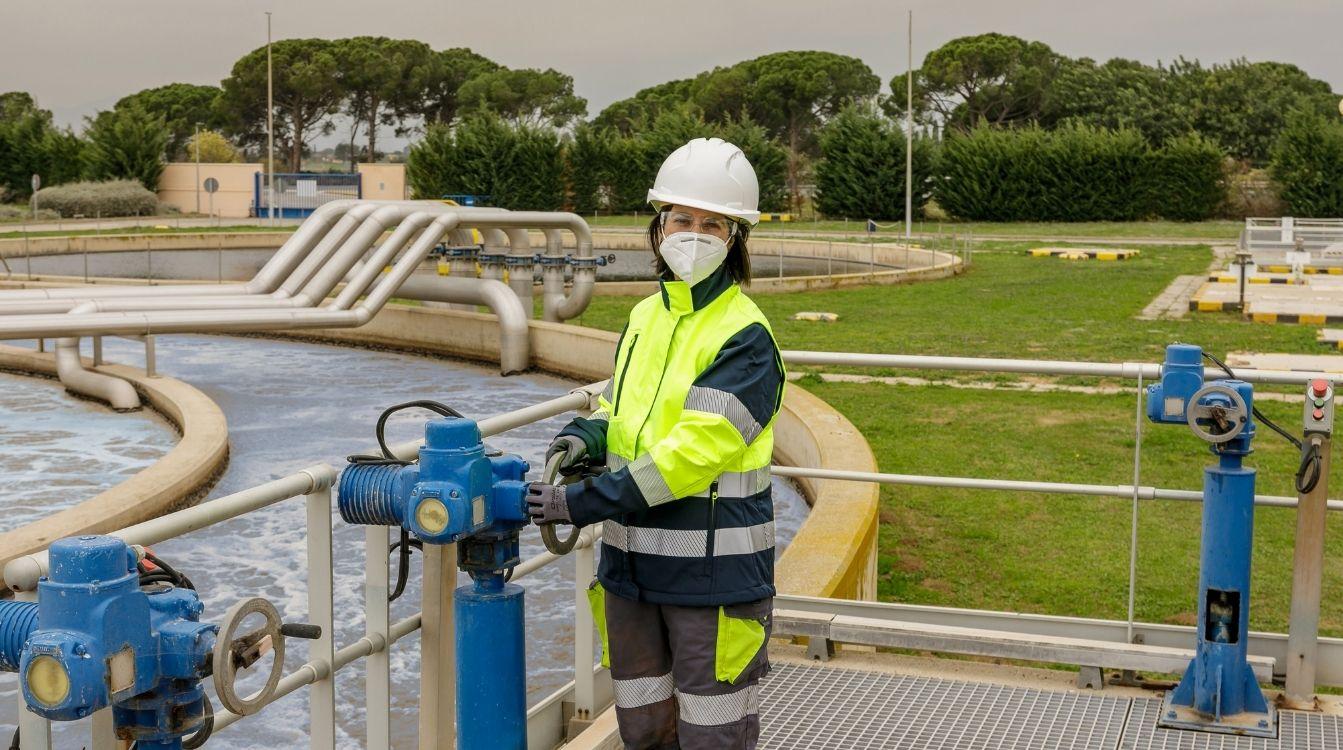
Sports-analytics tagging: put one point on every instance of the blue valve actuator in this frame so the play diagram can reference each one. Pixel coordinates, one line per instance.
(1181, 378)
(454, 492)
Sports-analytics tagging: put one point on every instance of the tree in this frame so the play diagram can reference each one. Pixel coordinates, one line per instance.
(183, 106)
(992, 77)
(861, 172)
(523, 96)
(631, 115)
(1120, 94)
(520, 166)
(307, 92)
(443, 76)
(214, 148)
(792, 93)
(1307, 162)
(127, 144)
(1243, 105)
(30, 144)
(380, 79)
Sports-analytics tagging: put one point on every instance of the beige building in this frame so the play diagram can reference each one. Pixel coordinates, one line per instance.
(180, 187)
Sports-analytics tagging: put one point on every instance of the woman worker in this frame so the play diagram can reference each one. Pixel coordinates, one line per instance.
(686, 583)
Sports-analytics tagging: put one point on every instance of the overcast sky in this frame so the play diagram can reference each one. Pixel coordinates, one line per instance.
(79, 56)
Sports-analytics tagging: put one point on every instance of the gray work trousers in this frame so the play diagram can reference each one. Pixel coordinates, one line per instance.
(668, 695)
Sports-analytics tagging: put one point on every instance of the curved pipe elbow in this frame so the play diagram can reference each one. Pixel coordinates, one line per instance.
(118, 393)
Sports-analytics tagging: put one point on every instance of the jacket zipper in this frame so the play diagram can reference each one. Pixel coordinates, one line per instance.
(713, 526)
(620, 387)
(656, 392)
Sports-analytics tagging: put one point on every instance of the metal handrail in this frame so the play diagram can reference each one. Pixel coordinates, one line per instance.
(588, 691)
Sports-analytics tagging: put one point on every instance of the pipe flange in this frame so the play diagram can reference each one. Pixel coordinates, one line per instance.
(520, 260)
(1226, 420)
(468, 252)
(591, 261)
(493, 258)
(231, 653)
(552, 260)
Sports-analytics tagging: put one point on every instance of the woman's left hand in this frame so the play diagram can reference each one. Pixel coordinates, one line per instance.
(546, 503)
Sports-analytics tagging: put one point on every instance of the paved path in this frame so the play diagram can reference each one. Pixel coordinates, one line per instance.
(1173, 302)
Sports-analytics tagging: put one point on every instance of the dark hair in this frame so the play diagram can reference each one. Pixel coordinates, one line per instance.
(738, 261)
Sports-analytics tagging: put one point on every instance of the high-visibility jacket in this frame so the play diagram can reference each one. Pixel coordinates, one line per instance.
(687, 422)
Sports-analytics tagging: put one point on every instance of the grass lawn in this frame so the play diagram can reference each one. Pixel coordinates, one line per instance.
(1049, 554)
(1216, 229)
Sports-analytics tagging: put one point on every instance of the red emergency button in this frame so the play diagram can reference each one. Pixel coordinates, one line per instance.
(1319, 387)
(1318, 414)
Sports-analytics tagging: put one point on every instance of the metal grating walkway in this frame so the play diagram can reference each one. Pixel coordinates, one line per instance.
(824, 708)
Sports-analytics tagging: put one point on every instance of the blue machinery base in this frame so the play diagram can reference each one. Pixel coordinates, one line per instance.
(491, 668)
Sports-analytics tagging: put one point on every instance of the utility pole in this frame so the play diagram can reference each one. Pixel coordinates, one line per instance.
(270, 129)
(196, 146)
(909, 134)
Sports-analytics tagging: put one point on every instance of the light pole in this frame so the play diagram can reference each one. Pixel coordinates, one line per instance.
(270, 130)
(196, 146)
(909, 135)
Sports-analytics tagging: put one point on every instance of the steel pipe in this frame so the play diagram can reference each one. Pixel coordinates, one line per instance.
(1127, 370)
(514, 337)
(70, 370)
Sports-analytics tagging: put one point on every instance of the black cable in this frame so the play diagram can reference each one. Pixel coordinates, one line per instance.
(178, 578)
(207, 728)
(1255, 409)
(1308, 473)
(14, 743)
(403, 548)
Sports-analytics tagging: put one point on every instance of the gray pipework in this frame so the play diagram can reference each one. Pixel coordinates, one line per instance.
(514, 342)
(552, 276)
(496, 245)
(521, 266)
(208, 321)
(70, 369)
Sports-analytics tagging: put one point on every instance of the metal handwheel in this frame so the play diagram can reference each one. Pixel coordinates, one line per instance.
(232, 653)
(1229, 420)
(548, 536)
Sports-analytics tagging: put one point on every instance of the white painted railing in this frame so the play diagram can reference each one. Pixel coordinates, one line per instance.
(590, 691)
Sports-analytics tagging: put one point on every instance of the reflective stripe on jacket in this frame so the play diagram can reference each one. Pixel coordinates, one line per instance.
(688, 416)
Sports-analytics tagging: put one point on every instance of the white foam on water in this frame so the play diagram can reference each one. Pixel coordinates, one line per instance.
(292, 404)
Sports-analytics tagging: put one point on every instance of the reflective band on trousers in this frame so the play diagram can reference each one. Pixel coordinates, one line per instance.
(642, 691)
(742, 540)
(713, 710)
(731, 484)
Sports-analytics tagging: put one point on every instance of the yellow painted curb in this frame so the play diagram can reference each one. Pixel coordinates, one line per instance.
(1263, 317)
(1311, 319)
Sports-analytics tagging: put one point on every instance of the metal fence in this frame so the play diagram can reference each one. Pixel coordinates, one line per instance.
(297, 195)
(590, 690)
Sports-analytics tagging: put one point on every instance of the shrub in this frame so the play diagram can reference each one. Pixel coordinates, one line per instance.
(862, 168)
(24, 213)
(518, 166)
(115, 198)
(1308, 165)
(1077, 173)
(1187, 179)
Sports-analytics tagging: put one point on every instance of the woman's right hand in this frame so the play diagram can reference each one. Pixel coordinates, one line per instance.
(575, 453)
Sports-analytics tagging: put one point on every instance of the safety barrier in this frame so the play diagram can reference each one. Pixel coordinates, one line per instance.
(590, 690)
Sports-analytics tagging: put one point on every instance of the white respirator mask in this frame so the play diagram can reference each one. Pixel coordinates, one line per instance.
(693, 257)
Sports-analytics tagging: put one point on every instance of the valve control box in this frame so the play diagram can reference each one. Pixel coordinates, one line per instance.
(1319, 410)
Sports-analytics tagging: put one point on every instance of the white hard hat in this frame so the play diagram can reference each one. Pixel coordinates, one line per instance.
(712, 175)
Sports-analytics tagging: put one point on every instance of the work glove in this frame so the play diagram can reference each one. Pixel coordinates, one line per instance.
(575, 453)
(546, 503)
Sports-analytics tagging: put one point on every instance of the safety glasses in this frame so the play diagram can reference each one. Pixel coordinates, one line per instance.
(679, 221)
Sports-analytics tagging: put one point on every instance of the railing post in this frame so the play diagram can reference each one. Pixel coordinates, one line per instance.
(1307, 580)
(97, 351)
(1133, 523)
(585, 699)
(322, 698)
(103, 731)
(438, 660)
(378, 690)
(151, 361)
(34, 731)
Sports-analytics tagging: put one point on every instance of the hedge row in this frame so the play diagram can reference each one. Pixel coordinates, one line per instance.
(519, 167)
(1308, 166)
(90, 199)
(1077, 173)
(861, 172)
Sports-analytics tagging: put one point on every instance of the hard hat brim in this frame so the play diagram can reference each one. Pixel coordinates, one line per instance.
(660, 199)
